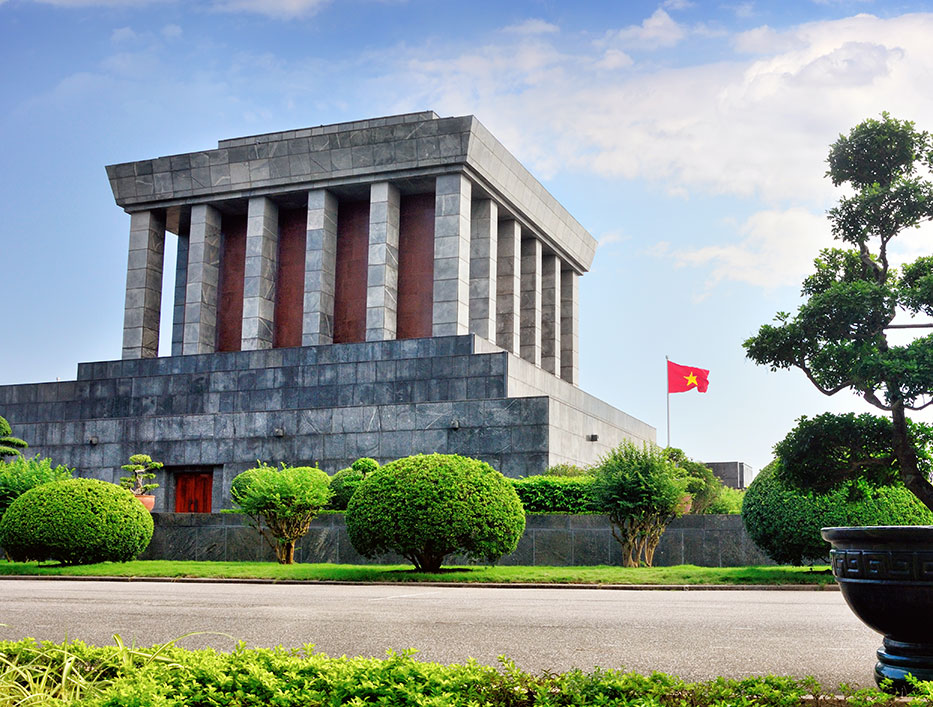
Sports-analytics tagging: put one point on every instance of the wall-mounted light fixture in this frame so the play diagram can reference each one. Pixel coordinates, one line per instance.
(93, 440)
(592, 438)
(454, 424)
(278, 432)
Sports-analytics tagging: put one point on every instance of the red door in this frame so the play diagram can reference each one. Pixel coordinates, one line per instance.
(193, 492)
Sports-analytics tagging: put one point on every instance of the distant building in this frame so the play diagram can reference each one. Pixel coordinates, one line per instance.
(377, 288)
(738, 475)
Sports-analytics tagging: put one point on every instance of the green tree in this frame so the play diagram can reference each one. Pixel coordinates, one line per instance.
(10, 446)
(839, 336)
(641, 491)
(281, 503)
(703, 486)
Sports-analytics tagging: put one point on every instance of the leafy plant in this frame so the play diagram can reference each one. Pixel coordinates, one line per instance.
(641, 491)
(20, 474)
(566, 470)
(729, 502)
(344, 482)
(76, 521)
(555, 494)
(281, 503)
(428, 506)
(785, 521)
(839, 335)
(703, 486)
(142, 467)
(10, 446)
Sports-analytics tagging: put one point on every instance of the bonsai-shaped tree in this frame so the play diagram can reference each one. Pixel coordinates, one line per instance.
(142, 467)
(839, 336)
(280, 503)
(10, 446)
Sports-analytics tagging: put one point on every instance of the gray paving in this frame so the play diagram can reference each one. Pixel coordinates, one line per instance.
(697, 635)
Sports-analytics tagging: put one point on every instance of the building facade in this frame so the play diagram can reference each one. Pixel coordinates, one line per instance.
(377, 288)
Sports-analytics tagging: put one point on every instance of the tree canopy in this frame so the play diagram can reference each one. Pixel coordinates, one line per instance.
(839, 336)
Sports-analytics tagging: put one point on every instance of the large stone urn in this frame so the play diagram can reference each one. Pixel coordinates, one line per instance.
(886, 576)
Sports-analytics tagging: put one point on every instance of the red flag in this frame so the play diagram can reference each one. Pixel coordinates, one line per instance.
(680, 379)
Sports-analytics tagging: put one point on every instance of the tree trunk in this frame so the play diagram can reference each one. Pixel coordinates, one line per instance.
(911, 475)
(285, 552)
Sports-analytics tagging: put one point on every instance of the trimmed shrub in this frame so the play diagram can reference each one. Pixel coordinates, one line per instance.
(428, 506)
(566, 470)
(76, 522)
(10, 446)
(555, 494)
(641, 491)
(344, 482)
(785, 521)
(20, 474)
(728, 503)
(281, 503)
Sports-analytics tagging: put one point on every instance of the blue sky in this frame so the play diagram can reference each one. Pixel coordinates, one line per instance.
(688, 137)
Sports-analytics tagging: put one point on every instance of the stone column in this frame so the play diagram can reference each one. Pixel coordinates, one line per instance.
(530, 327)
(382, 268)
(451, 255)
(570, 326)
(262, 245)
(320, 269)
(508, 285)
(550, 313)
(143, 285)
(483, 249)
(181, 283)
(203, 275)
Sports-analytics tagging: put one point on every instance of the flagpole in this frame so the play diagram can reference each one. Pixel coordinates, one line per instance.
(667, 385)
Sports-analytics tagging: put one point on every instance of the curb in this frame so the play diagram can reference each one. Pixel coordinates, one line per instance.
(488, 585)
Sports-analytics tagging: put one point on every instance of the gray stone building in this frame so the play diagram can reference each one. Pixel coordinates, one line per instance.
(377, 288)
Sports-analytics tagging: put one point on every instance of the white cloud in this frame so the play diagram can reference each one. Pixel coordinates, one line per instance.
(532, 26)
(612, 237)
(614, 59)
(766, 40)
(655, 32)
(677, 4)
(776, 248)
(103, 3)
(171, 31)
(123, 34)
(272, 8)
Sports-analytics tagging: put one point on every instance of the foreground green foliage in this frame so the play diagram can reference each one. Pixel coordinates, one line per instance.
(679, 575)
(839, 337)
(428, 506)
(641, 490)
(75, 522)
(785, 521)
(280, 503)
(169, 676)
(20, 474)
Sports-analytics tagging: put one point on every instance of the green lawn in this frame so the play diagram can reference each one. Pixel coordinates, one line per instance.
(681, 575)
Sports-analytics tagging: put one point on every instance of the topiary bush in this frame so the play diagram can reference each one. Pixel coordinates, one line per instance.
(428, 506)
(785, 521)
(344, 482)
(76, 522)
(20, 474)
(555, 494)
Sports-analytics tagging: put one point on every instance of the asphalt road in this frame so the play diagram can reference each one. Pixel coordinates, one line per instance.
(695, 634)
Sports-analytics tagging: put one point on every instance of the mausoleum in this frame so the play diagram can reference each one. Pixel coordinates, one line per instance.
(377, 288)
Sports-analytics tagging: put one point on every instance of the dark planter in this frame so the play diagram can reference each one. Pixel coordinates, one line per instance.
(886, 576)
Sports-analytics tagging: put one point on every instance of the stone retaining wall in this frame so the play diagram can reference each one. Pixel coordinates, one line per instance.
(561, 540)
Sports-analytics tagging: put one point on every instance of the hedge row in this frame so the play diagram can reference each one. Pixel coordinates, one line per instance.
(286, 678)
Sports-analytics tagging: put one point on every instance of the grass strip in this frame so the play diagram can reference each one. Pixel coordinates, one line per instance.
(679, 575)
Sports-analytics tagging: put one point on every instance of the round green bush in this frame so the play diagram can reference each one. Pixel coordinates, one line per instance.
(343, 483)
(20, 474)
(785, 522)
(429, 506)
(76, 522)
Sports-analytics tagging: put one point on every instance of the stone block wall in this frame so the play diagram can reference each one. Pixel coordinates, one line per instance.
(555, 540)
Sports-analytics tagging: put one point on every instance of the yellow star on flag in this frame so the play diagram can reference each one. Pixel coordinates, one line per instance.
(691, 379)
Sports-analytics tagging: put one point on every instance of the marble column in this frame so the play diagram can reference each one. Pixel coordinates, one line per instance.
(530, 325)
(143, 285)
(262, 245)
(451, 312)
(203, 275)
(382, 267)
(550, 313)
(483, 249)
(320, 269)
(508, 285)
(570, 326)
(181, 284)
